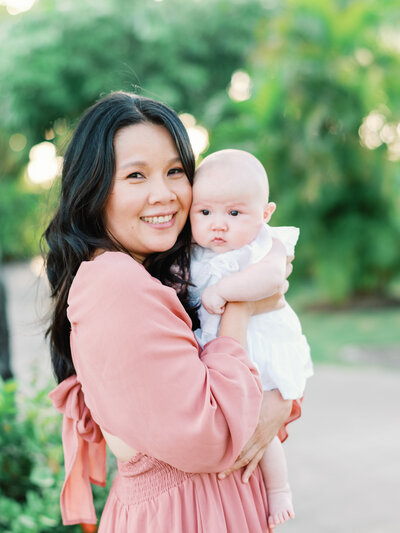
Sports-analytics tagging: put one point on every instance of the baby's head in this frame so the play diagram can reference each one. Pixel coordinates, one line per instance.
(230, 200)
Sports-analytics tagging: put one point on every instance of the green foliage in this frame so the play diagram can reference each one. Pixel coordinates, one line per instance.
(177, 51)
(318, 70)
(31, 464)
(331, 333)
(22, 215)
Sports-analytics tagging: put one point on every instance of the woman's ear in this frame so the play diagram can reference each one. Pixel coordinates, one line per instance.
(268, 211)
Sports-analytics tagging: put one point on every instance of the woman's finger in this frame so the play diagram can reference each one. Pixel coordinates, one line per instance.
(239, 463)
(244, 459)
(252, 466)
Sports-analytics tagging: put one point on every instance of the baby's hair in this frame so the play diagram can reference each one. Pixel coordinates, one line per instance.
(241, 156)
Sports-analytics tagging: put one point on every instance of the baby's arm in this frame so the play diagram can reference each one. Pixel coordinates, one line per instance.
(260, 280)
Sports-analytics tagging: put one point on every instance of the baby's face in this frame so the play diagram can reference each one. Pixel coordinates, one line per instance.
(228, 208)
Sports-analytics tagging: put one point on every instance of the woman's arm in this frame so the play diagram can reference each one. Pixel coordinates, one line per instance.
(143, 378)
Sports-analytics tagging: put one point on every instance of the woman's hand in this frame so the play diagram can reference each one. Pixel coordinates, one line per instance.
(274, 412)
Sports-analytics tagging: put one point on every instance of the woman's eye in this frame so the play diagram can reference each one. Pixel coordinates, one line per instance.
(205, 212)
(234, 213)
(175, 171)
(136, 175)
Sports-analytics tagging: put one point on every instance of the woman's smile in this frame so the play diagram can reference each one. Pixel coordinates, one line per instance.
(160, 221)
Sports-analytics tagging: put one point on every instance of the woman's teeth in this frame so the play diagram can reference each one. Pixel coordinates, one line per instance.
(158, 220)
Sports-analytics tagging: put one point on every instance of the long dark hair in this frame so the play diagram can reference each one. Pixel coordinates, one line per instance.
(77, 228)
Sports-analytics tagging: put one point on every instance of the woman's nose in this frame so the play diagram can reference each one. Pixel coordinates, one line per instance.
(161, 192)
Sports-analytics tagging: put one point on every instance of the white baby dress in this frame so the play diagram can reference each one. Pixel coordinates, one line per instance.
(275, 342)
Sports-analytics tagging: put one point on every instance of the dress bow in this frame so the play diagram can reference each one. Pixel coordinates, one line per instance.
(84, 453)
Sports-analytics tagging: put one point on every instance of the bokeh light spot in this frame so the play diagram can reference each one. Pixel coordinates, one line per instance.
(44, 166)
(15, 7)
(60, 126)
(49, 134)
(240, 86)
(199, 139)
(364, 56)
(188, 120)
(198, 135)
(17, 142)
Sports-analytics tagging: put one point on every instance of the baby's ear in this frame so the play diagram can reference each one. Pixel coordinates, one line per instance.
(268, 211)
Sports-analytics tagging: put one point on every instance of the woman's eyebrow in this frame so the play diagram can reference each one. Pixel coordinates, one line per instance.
(132, 164)
(138, 163)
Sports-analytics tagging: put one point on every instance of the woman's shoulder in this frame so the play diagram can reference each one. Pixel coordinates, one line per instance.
(110, 278)
(112, 267)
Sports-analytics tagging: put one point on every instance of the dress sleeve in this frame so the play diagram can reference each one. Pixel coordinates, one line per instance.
(143, 378)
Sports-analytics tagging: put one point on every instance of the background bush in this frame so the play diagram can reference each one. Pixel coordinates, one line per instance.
(31, 464)
(21, 216)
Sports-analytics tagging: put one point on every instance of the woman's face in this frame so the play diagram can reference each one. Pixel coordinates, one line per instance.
(151, 194)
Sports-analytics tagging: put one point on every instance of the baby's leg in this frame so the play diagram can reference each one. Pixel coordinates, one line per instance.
(274, 470)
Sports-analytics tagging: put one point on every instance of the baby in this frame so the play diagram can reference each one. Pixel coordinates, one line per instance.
(238, 257)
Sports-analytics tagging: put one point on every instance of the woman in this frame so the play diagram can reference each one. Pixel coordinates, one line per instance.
(122, 346)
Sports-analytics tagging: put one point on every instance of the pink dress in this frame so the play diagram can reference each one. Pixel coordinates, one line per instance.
(140, 376)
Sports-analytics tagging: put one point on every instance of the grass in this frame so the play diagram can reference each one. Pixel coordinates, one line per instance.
(329, 331)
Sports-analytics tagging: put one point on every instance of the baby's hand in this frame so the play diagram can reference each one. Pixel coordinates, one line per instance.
(212, 301)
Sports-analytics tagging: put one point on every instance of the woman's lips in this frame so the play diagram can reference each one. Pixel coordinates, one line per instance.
(160, 221)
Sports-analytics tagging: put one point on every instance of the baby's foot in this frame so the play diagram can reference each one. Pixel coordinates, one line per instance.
(280, 507)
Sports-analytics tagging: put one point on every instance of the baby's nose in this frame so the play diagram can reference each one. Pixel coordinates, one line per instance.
(219, 224)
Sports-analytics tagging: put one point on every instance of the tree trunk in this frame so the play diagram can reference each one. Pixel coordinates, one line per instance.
(5, 369)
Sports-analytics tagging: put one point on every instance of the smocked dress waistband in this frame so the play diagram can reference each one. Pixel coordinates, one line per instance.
(143, 478)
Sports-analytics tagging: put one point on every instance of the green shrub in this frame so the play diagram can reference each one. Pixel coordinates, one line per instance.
(21, 220)
(31, 464)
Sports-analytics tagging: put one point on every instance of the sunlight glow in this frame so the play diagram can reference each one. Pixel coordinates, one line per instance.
(60, 126)
(390, 37)
(44, 166)
(394, 151)
(37, 266)
(17, 142)
(198, 135)
(364, 56)
(49, 134)
(369, 130)
(15, 7)
(188, 120)
(374, 131)
(240, 86)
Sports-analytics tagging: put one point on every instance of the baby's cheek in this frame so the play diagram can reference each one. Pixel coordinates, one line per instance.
(245, 234)
(197, 230)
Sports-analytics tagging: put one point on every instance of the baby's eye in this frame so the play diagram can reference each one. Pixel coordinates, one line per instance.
(205, 212)
(234, 212)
